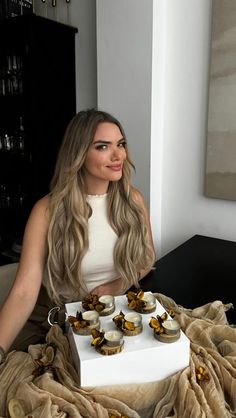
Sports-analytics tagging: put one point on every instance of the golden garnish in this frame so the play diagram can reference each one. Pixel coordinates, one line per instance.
(201, 374)
(163, 317)
(156, 324)
(99, 307)
(131, 295)
(122, 324)
(171, 313)
(118, 319)
(98, 338)
(77, 322)
(97, 341)
(132, 304)
(72, 319)
(140, 294)
(92, 303)
(135, 299)
(129, 325)
(80, 324)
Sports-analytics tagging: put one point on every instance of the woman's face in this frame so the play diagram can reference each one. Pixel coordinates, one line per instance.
(105, 157)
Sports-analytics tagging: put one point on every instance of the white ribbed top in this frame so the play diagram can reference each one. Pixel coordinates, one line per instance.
(97, 264)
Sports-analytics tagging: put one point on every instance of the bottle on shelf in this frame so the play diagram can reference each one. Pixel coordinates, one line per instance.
(19, 137)
(14, 142)
(16, 74)
(11, 74)
(6, 142)
(3, 196)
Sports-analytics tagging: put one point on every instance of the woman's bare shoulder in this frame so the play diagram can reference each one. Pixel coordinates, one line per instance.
(43, 203)
(41, 208)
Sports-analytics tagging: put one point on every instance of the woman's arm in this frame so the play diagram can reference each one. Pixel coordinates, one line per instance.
(115, 287)
(24, 292)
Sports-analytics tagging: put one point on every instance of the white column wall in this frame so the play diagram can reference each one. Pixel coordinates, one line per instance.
(158, 97)
(181, 50)
(185, 210)
(124, 53)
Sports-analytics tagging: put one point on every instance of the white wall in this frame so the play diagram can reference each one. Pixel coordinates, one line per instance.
(124, 51)
(178, 89)
(183, 42)
(185, 210)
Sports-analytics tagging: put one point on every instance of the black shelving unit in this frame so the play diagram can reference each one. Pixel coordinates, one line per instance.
(37, 100)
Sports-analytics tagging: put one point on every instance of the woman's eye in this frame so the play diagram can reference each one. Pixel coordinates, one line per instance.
(101, 147)
(122, 144)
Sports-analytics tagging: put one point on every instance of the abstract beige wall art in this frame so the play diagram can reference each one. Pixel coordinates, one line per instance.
(221, 140)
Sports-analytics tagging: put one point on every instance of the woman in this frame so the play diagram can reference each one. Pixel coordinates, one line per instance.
(90, 234)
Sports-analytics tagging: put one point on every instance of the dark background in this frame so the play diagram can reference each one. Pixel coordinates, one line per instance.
(199, 271)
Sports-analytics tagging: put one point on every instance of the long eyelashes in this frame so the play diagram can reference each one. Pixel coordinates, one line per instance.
(103, 147)
(122, 144)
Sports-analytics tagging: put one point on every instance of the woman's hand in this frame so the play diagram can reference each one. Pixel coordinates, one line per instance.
(114, 288)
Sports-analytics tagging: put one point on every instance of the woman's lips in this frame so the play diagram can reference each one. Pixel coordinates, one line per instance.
(116, 167)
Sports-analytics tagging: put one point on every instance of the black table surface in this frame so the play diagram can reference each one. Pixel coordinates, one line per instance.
(199, 271)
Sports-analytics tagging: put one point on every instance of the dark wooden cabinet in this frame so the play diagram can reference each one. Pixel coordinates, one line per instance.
(37, 100)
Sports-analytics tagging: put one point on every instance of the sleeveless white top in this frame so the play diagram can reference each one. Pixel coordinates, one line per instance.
(98, 264)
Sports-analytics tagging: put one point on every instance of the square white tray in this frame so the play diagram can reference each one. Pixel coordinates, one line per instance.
(143, 359)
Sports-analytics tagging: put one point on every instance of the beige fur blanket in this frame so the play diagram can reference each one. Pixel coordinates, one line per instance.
(43, 383)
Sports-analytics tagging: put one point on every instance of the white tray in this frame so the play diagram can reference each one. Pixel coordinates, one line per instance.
(143, 359)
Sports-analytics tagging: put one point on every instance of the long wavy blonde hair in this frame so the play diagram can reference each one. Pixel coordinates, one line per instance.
(69, 213)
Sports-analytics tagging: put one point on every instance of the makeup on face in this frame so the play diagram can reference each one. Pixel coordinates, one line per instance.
(105, 158)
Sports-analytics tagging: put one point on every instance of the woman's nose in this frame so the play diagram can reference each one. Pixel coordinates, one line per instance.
(116, 154)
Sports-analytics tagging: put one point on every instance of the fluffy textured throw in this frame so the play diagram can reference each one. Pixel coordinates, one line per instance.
(44, 384)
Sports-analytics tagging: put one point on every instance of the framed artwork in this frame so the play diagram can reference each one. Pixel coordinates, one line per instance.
(220, 179)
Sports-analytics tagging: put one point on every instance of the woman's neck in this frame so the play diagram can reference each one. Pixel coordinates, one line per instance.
(97, 189)
(97, 195)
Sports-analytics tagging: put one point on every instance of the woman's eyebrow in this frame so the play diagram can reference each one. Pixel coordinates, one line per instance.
(103, 141)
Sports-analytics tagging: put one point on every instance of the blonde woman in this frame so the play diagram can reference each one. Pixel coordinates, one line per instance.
(90, 234)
